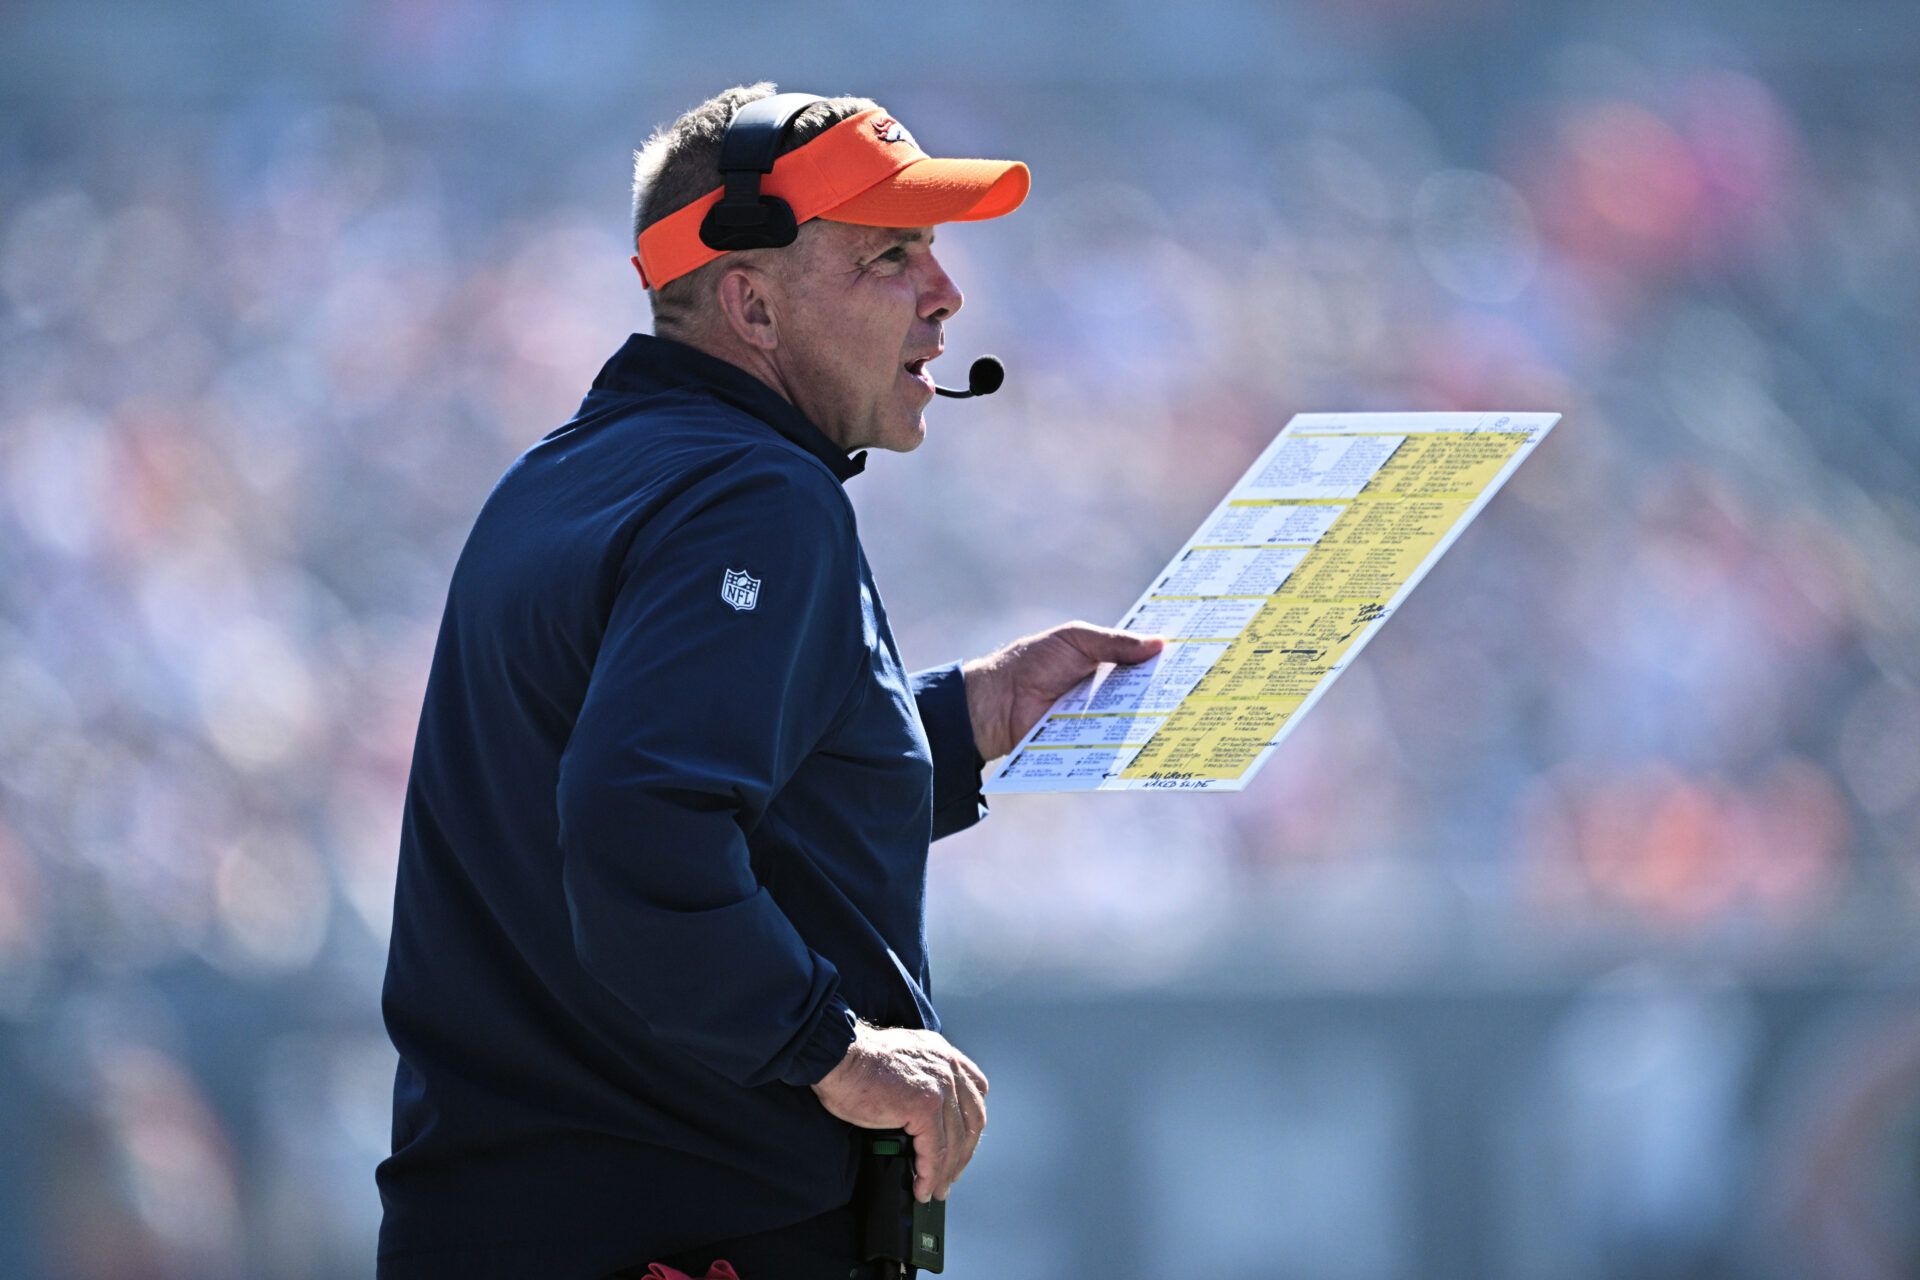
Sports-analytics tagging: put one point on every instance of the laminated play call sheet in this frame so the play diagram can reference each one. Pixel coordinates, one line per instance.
(1279, 589)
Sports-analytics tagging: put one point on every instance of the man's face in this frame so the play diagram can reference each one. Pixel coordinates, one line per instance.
(861, 310)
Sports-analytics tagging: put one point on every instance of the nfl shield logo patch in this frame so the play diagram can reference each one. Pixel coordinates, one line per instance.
(740, 590)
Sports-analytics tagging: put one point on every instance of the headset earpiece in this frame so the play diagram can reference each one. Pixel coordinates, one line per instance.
(743, 218)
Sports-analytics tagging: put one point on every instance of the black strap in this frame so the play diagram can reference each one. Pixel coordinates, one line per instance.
(753, 138)
(745, 219)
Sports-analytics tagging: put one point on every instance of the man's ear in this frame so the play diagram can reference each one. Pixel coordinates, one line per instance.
(745, 300)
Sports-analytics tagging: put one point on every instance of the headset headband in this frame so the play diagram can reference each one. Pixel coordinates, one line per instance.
(745, 219)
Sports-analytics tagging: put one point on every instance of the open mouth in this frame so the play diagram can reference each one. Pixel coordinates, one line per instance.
(918, 369)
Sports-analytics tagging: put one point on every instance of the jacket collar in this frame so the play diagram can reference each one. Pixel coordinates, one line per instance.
(647, 363)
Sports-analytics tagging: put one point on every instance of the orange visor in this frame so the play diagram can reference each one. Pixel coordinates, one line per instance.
(867, 170)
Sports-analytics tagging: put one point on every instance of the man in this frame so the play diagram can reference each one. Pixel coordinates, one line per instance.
(658, 947)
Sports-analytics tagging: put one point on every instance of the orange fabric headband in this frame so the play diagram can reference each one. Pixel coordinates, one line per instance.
(866, 169)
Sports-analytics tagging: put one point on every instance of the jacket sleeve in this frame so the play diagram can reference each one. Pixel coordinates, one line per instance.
(732, 643)
(941, 694)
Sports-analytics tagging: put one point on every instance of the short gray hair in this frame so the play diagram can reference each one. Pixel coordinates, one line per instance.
(681, 162)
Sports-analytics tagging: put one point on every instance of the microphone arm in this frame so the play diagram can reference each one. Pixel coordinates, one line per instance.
(984, 377)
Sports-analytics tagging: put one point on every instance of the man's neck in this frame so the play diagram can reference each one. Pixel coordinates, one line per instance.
(752, 359)
(735, 353)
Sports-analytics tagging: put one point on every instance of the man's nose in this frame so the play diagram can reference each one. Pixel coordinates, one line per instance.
(940, 297)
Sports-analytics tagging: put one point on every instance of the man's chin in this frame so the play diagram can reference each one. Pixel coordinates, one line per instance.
(906, 439)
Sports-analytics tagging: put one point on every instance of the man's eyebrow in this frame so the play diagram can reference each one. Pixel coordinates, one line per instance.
(905, 235)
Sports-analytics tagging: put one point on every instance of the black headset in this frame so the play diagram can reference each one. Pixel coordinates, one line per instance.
(745, 219)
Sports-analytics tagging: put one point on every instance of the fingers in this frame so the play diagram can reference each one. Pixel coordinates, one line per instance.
(927, 1129)
(973, 1072)
(957, 1143)
(952, 1130)
(970, 1100)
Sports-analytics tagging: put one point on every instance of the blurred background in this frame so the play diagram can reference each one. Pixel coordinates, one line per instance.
(1574, 935)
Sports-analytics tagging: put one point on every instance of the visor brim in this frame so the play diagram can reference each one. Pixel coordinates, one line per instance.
(935, 190)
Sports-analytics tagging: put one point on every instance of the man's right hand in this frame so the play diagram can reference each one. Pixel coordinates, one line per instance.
(897, 1078)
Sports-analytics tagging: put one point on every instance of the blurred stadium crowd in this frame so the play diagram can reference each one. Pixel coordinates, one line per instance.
(262, 355)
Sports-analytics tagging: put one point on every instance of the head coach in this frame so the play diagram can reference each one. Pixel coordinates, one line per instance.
(658, 945)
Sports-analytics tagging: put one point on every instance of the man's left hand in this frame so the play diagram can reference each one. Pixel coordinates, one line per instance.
(1010, 688)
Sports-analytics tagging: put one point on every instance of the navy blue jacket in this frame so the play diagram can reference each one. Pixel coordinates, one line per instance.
(665, 834)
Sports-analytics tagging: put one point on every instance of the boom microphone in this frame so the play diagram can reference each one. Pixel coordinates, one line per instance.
(984, 377)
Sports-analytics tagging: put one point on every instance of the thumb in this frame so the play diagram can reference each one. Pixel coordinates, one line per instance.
(1106, 644)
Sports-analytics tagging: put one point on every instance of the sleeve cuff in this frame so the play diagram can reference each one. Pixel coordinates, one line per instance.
(825, 1045)
(957, 800)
